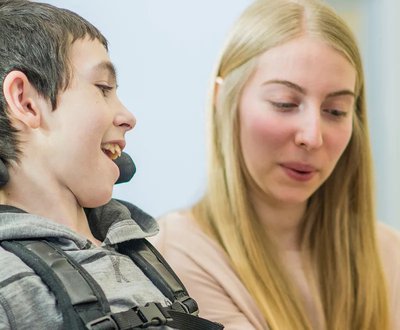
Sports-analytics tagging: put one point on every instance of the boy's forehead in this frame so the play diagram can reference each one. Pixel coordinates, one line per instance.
(106, 68)
(91, 57)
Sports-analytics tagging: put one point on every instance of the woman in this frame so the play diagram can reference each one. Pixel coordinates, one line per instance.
(285, 236)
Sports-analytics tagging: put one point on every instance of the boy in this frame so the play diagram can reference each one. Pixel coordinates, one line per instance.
(61, 128)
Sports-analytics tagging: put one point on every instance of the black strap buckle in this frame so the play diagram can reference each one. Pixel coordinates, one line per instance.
(188, 304)
(152, 314)
(101, 322)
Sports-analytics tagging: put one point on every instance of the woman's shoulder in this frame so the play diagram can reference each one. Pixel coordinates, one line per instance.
(177, 222)
(389, 239)
(183, 215)
(389, 244)
(179, 229)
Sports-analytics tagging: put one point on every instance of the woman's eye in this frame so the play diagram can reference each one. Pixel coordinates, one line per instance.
(284, 106)
(105, 89)
(336, 113)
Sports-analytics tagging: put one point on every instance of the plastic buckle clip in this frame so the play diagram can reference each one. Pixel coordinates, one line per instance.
(186, 305)
(92, 325)
(152, 314)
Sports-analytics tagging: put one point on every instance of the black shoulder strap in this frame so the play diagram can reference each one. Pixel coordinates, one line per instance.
(83, 303)
(184, 309)
(159, 272)
(79, 297)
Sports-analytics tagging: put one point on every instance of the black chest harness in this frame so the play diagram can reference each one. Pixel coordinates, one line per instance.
(83, 303)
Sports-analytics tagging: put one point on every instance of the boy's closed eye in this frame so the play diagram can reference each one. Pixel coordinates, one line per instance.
(105, 89)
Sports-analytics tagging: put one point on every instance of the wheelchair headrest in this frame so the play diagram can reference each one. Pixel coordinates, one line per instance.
(127, 168)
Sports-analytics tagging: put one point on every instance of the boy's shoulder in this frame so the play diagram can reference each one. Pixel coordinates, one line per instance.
(11, 268)
(24, 298)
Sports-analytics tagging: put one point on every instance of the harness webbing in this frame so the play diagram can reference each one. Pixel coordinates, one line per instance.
(45, 261)
(82, 302)
(151, 262)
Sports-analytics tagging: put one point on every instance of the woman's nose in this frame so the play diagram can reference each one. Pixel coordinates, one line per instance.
(309, 130)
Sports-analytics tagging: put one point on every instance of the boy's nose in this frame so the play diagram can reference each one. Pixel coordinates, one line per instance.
(125, 118)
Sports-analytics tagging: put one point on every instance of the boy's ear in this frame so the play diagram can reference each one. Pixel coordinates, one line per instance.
(22, 100)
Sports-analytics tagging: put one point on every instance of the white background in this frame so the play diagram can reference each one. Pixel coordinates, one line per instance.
(165, 50)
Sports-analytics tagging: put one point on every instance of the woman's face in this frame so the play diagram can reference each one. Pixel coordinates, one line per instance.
(296, 114)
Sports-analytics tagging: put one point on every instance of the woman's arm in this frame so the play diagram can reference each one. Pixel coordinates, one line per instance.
(389, 242)
(206, 273)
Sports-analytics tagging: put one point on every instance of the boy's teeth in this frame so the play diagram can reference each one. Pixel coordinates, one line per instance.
(117, 150)
(114, 150)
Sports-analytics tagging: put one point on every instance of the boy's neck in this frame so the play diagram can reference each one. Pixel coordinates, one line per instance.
(47, 201)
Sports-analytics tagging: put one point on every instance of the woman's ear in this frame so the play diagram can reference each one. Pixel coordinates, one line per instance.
(217, 85)
(22, 100)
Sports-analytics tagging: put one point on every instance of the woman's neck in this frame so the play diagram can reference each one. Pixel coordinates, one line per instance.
(283, 222)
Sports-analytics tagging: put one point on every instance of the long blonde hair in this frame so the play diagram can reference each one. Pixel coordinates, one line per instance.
(339, 226)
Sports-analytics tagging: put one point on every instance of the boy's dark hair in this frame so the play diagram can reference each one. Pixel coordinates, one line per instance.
(36, 38)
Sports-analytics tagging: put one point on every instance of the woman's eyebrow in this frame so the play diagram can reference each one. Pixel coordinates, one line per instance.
(342, 92)
(303, 91)
(285, 83)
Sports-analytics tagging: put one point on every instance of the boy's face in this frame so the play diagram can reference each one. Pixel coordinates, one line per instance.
(88, 127)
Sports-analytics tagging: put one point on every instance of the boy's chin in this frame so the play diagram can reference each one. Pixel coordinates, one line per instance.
(99, 200)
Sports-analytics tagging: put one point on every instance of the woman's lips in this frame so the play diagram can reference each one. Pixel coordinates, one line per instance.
(298, 171)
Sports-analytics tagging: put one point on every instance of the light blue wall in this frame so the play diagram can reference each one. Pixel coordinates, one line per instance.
(383, 46)
(164, 52)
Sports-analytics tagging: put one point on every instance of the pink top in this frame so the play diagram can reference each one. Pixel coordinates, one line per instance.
(208, 276)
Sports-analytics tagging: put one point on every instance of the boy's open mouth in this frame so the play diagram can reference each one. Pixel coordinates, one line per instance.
(113, 151)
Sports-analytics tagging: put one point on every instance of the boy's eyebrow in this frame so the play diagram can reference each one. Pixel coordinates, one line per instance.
(302, 90)
(109, 68)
